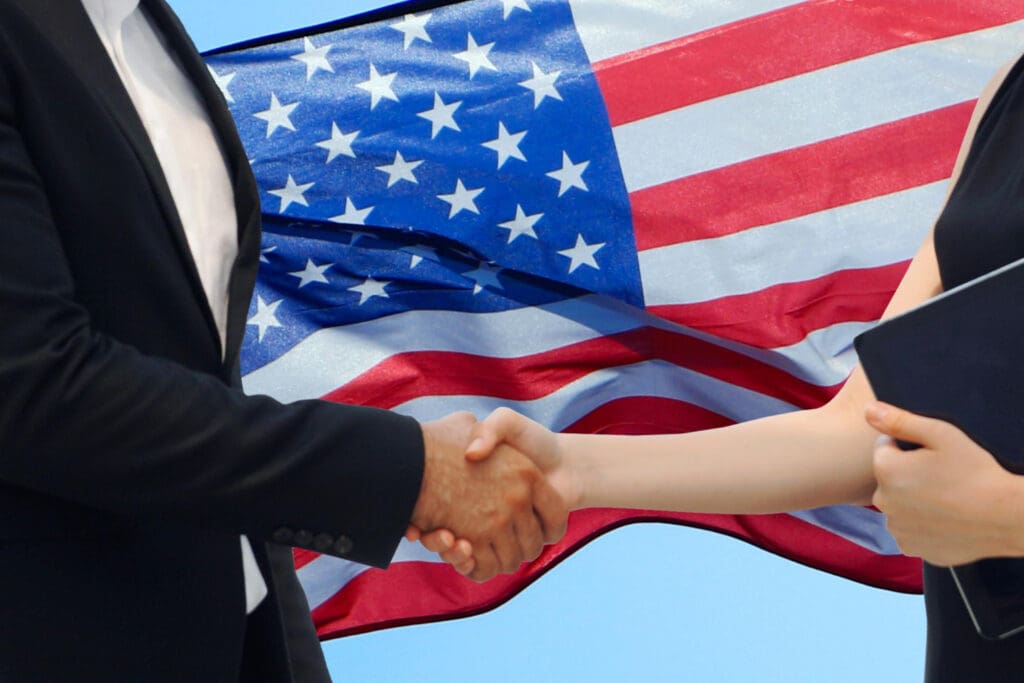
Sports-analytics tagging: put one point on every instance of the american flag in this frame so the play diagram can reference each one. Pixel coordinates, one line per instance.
(614, 217)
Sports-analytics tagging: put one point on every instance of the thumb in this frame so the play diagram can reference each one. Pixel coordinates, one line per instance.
(902, 425)
(498, 427)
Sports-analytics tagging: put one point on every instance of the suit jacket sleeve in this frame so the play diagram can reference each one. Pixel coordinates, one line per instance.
(89, 419)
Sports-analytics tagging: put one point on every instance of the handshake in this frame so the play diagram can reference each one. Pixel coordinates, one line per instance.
(493, 492)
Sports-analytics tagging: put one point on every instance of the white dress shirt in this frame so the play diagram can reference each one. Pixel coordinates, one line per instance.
(193, 163)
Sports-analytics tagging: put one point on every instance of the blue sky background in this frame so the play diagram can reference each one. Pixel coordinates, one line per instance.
(647, 602)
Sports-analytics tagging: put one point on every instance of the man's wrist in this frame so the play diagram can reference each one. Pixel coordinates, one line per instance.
(423, 511)
(573, 486)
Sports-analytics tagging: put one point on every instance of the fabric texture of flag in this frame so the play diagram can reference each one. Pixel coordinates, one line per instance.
(614, 217)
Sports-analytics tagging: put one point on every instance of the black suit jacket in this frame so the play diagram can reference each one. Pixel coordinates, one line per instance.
(129, 458)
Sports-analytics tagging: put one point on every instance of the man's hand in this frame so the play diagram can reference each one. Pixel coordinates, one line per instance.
(949, 501)
(502, 429)
(503, 506)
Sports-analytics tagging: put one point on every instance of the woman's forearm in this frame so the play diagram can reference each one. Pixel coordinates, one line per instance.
(785, 462)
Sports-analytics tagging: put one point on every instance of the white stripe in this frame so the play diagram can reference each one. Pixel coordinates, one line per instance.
(858, 525)
(331, 358)
(574, 401)
(824, 357)
(813, 107)
(871, 233)
(326, 575)
(609, 28)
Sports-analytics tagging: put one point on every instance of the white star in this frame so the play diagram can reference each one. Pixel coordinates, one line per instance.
(315, 58)
(441, 116)
(291, 193)
(370, 288)
(266, 316)
(570, 175)
(582, 254)
(413, 27)
(506, 145)
(462, 199)
(514, 4)
(379, 86)
(312, 273)
(400, 170)
(419, 254)
(264, 252)
(223, 82)
(542, 85)
(476, 56)
(278, 115)
(339, 143)
(485, 276)
(521, 224)
(352, 215)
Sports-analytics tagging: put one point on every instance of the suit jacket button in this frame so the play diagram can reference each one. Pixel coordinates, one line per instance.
(323, 542)
(343, 545)
(284, 536)
(303, 538)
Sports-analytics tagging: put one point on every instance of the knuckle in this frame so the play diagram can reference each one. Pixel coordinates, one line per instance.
(882, 464)
(897, 420)
(878, 499)
(502, 413)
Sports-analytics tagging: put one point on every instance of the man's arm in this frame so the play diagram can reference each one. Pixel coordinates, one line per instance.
(89, 419)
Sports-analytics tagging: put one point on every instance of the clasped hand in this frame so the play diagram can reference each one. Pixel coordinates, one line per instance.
(484, 505)
(949, 501)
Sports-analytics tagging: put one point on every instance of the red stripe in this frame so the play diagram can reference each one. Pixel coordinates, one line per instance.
(796, 182)
(786, 313)
(407, 376)
(303, 557)
(647, 415)
(778, 45)
(418, 592)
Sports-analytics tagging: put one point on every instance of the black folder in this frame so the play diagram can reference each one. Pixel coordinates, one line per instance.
(958, 357)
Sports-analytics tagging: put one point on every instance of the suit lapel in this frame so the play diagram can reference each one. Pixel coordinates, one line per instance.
(243, 274)
(72, 33)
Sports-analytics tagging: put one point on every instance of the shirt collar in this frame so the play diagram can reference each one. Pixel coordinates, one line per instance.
(110, 14)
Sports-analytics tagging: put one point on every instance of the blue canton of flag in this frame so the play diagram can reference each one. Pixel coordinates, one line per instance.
(474, 131)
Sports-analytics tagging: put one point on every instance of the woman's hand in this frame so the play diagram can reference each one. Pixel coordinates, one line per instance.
(948, 502)
(534, 440)
(505, 426)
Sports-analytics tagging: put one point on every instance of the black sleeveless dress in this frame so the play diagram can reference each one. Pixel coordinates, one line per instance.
(981, 228)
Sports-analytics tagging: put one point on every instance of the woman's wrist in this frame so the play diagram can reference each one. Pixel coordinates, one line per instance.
(1013, 514)
(570, 475)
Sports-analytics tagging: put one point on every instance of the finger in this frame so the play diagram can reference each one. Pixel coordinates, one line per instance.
(506, 549)
(501, 425)
(458, 553)
(551, 511)
(903, 425)
(438, 541)
(412, 533)
(466, 566)
(487, 564)
(893, 467)
(531, 539)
